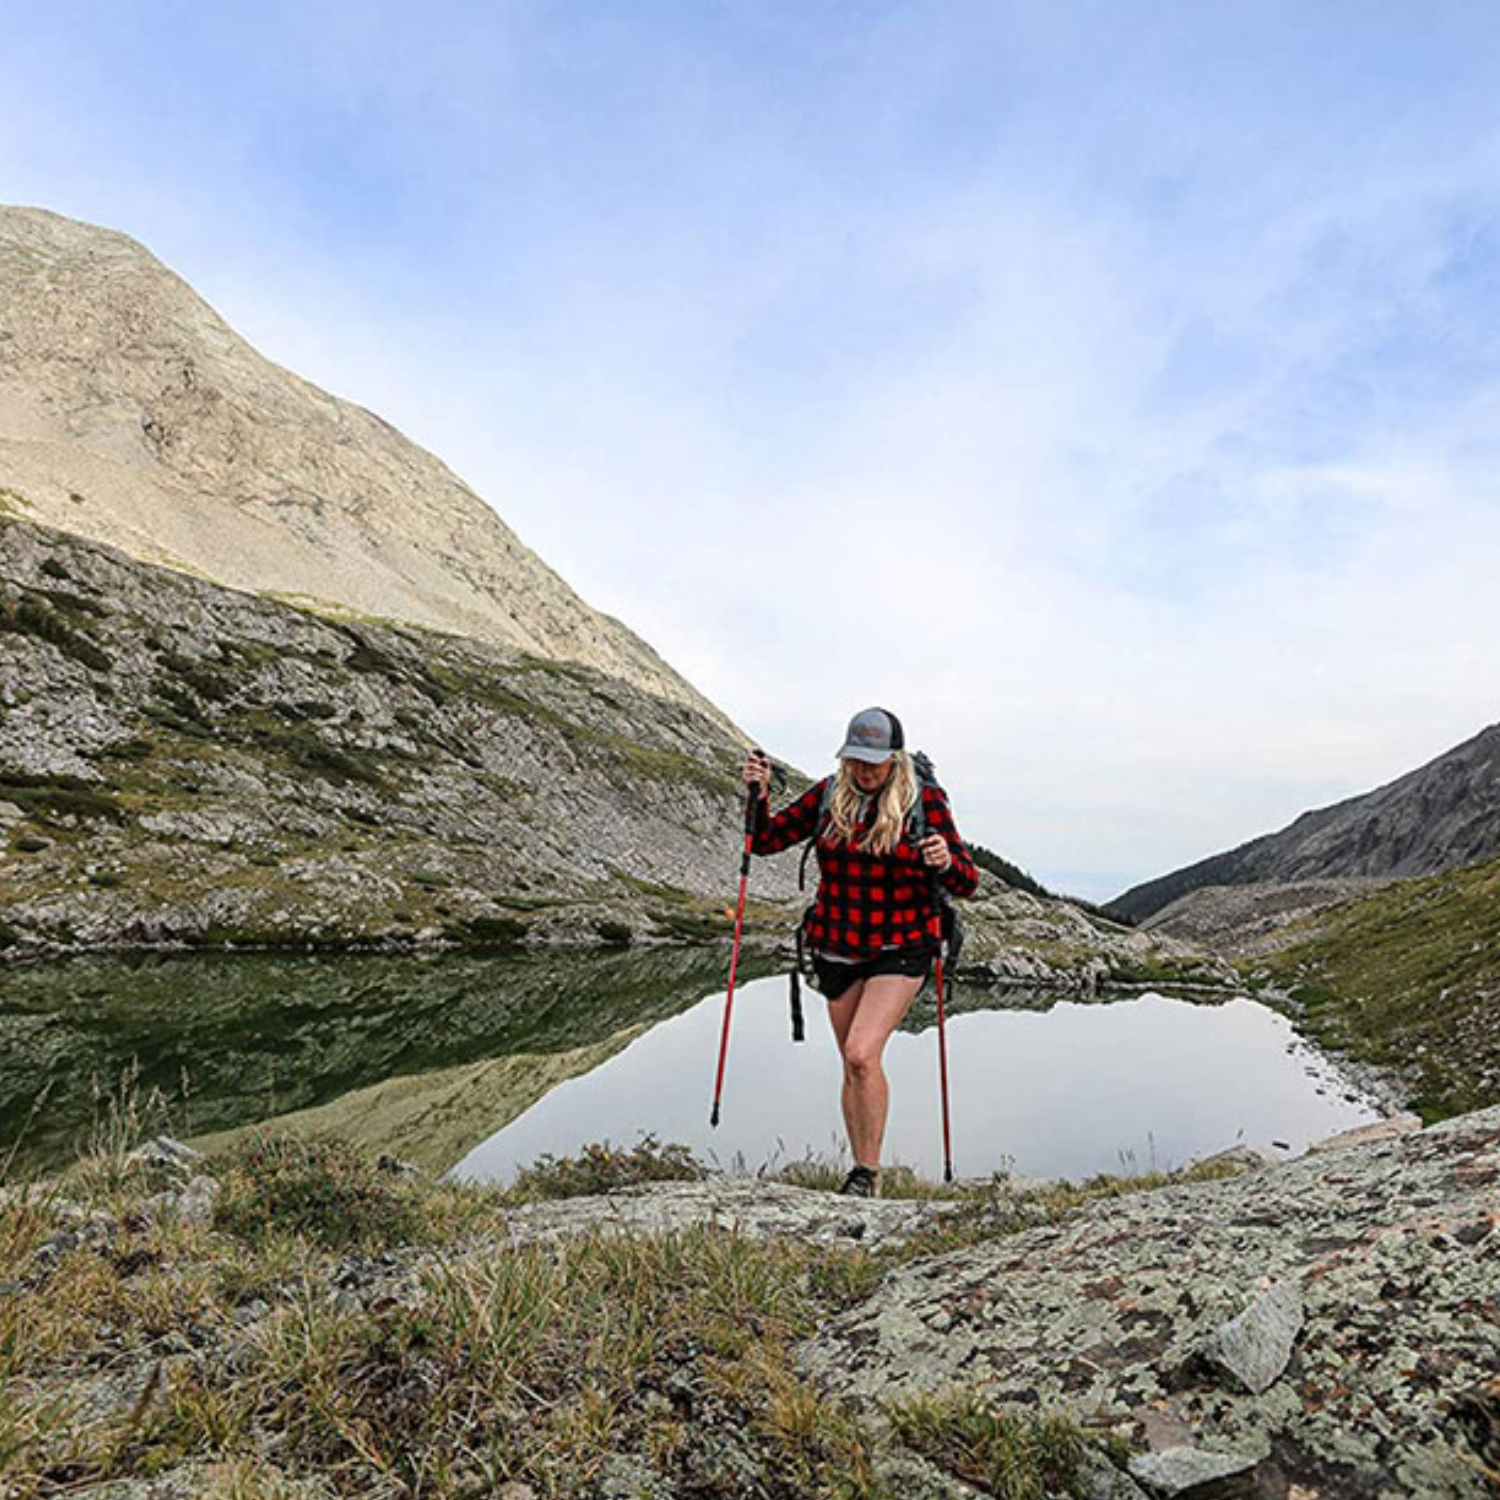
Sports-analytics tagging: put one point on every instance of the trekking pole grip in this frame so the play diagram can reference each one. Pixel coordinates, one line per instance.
(753, 793)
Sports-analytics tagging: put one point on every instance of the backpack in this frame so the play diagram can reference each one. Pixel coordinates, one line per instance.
(916, 829)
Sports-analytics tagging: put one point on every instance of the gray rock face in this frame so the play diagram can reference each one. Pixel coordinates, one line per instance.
(1261, 917)
(1438, 817)
(1395, 1246)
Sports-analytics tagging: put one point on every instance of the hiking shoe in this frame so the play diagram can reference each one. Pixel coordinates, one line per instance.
(861, 1182)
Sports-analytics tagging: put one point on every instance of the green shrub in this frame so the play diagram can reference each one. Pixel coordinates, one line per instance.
(366, 657)
(319, 1187)
(66, 602)
(136, 748)
(1017, 1455)
(614, 932)
(600, 1167)
(26, 617)
(502, 930)
(29, 843)
(57, 796)
(182, 707)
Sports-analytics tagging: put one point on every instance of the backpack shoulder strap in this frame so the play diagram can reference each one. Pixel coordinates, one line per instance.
(916, 819)
(825, 802)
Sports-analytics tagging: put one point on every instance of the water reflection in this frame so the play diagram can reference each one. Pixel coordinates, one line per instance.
(1057, 1089)
(234, 1038)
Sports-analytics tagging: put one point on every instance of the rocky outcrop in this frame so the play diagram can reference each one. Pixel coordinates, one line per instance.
(1442, 816)
(1242, 920)
(184, 763)
(132, 414)
(1310, 1324)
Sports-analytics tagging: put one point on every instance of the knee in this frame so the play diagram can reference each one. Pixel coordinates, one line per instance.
(861, 1060)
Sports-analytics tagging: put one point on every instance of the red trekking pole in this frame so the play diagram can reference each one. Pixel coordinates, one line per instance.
(751, 796)
(937, 932)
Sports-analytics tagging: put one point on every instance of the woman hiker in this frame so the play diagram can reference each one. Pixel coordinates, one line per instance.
(870, 929)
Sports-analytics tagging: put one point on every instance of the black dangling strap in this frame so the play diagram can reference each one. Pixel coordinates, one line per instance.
(796, 987)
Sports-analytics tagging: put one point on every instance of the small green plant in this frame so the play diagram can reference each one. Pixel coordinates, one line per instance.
(202, 679)
(319, 1186)
(1014, 1455)
(599, 1167)
(126, 1113)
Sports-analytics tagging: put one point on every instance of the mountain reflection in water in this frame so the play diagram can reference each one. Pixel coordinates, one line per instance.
(229, 1039)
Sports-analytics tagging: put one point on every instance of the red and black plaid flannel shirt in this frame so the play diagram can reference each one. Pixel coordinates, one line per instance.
(868, 902)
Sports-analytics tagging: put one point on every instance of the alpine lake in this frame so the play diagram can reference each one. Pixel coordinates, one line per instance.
(479, 1063)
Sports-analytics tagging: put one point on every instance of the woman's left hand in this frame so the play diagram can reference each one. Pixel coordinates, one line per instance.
(935, 851)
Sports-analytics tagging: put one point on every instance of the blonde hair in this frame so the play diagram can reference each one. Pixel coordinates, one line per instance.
(896, 799)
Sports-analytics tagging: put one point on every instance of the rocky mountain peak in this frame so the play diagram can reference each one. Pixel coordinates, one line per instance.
(132, 414)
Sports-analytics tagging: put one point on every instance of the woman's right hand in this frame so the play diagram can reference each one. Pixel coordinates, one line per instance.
(758, 772)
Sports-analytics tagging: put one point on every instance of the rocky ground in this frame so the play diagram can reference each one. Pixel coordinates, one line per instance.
(302, 1324)
(1309, 1325)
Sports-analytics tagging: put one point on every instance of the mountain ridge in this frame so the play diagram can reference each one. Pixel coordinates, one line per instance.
(1440, 816)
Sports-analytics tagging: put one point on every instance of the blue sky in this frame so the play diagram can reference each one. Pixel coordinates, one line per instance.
(1111, 389)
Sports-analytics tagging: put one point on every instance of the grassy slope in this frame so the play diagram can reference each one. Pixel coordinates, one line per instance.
(1409, 977)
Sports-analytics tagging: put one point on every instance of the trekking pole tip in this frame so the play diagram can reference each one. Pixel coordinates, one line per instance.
(713, 1119)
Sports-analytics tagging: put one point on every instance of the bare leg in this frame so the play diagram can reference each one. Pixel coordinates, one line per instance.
(863, 1018)
(841, 1015)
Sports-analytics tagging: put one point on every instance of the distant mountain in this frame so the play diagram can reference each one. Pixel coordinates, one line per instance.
(1442, 816)
(131, 414)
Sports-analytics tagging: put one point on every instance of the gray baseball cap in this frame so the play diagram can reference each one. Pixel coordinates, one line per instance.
(872, 735)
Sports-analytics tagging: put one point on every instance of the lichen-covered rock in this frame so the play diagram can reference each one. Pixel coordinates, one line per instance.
(745, 1205)
(1395, 1246)
(1254, 1347)
(1193, 1474)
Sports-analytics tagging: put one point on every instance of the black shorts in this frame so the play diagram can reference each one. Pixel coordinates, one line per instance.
(834, 978)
